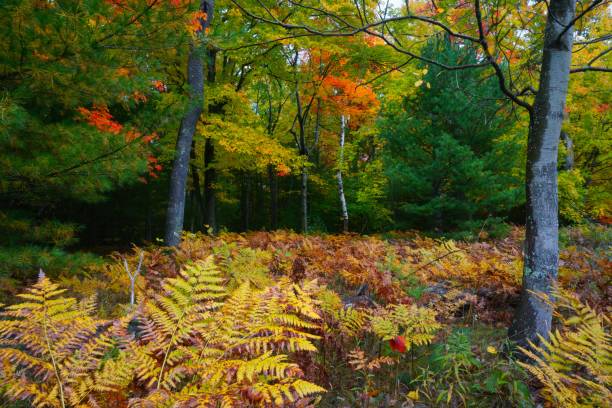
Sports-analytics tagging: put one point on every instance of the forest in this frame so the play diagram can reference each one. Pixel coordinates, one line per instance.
(305, 203)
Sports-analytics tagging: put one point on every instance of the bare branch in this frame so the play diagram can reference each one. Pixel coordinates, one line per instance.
(598, 56)
(586, 69)
(132, 276)
(589, 65)
(498, 71)
(594, 40)
(527, 90)
(594, 4)
(396, 68)
(367, 28)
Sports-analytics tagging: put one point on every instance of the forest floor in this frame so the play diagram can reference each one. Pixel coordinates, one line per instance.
(404, 267)
(473, 287)
(451, 302)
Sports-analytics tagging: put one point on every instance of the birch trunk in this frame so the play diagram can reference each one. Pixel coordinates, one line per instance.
(343, 207)
(541, 258)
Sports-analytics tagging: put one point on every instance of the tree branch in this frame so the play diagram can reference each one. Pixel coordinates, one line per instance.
(367, 28)
(589, 65)
(586, 69)
(498, 71)
(594, 4)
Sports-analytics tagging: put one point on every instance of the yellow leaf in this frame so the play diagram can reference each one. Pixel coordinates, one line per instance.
(491, 350)
(413, 395)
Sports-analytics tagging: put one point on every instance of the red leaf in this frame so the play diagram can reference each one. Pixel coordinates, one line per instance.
(398, 344)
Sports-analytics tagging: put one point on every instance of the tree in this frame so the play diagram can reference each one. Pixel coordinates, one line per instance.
(343, 206)
(448, 165)
(76, 118)
(180, 167)
(494, 29)
(534, 316)
(343, 99)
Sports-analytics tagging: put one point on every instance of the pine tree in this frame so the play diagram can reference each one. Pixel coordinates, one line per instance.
(76, 115)
(446, 159)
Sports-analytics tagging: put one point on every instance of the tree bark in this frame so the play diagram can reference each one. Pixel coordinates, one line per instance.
(541, 258)
(180, 168)
(246, 201)
(343, 207)
(198, 199)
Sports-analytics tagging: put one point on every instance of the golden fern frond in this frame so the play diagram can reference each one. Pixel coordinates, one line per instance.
(175, 318)
(575, 364)
(417, 325)
(265, 364)
(41, 337)
(286, 392)
(351, 321)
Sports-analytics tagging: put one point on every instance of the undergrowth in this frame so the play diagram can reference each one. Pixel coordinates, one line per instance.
(282, 319)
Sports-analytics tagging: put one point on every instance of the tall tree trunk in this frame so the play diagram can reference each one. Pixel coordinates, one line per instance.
(180, 168)
(534, 316)
(304, 197)
(259, 207)
(148, 236)
(343, 207)
(273, 181)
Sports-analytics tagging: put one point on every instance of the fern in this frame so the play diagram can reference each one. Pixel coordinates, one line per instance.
(575, 364)
(417, 325)
(50, 343)
(201, 346)
(172, 321)
(193, 344)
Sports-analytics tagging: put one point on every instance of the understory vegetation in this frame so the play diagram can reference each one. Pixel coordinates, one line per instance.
(305, 203)
(283, 319)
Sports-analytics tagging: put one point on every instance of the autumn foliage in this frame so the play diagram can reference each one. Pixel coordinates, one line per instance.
(258, 319)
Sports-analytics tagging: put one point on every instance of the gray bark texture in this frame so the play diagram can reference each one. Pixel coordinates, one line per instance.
(541, 257)
(180, 168)
(197, 207)
(343, 207)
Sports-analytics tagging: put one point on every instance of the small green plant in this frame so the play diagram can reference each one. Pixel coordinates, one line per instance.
(460, 374)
